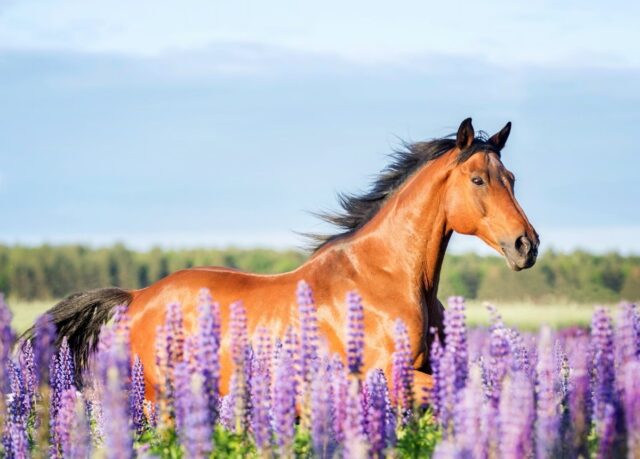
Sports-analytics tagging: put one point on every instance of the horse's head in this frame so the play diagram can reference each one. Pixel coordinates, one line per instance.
(480, 198)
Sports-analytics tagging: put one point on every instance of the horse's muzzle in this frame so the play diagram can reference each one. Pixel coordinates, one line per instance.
(521, 253)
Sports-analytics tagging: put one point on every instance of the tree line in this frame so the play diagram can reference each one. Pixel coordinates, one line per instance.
(51, 272)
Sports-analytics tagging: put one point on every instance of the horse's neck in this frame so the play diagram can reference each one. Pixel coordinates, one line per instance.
(405, 240)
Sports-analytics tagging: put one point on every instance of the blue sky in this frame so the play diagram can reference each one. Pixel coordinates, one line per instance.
(215, 123)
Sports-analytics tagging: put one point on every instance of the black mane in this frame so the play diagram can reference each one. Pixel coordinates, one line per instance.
(357, 210)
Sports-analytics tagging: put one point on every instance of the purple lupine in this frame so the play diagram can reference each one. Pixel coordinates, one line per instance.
(631, 401)
(625, 339)
(516, 416)
(261, 391)
(456, 339)
(435, 357)
(603, 363)
(355, 333)
(498, 362)
(578, 397)
(7, 338)
(114, 366)
(447, 393)
(240, 390)
(45, 334)
(339, 390)
(63, 375)
(468, 417)
(308, 332)
(355, 444)
(402, 372)
(136, 396)
(284, 404)
(606, 432)
(548, 400)
(380, 425)
(321, 398)
(28, 369)
(197, 430)
(208, 351)
(19, 404)
(175, 333)
(15, 441)
(64, 423)
(182, 394)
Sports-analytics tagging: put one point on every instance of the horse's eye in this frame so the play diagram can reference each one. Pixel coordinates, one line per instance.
(477, 181)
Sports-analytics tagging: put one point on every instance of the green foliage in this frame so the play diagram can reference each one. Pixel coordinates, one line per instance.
(50, 272)
(419, 438)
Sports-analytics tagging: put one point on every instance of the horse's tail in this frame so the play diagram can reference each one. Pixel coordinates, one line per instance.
(80, 317)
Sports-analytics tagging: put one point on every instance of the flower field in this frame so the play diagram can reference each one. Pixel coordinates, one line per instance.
(497, 393)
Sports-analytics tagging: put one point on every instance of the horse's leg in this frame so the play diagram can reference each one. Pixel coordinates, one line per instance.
(422, 384)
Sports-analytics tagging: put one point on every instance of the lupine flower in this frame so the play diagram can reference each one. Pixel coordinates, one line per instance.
(19, 405)
(45, 332)
(284, 404)
(175, 333)
(606, 431)
(308, 331)
(240, 389)
(578, 399)
(402, 372)
(355, 333)
(261, 391)
(136, 396)
(435, 354)
(355, 445)
(631, 378)
(603, 363)
(516, 416)
(380, 425)
(114, 364)
(208, 351)
(28, 369)
(498, 363)
(456, 339)
(6, 341)
(321, 422)
(548, 400)
(64, 423)
(468, 417)
(15, 441)
(625, 339)
(339, 390)
(63, 375)
(196, 430)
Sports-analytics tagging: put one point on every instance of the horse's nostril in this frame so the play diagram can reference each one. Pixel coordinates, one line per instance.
(523, 245)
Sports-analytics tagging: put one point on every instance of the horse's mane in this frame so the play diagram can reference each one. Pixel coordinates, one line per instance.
(358, 209)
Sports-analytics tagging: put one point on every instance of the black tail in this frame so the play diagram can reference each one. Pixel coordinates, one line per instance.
(80, 317)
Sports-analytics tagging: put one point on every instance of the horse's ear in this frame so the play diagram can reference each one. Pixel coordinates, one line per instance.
(500, 138)
(465, 135)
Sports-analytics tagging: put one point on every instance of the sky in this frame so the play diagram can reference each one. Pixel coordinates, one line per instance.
(208, 123)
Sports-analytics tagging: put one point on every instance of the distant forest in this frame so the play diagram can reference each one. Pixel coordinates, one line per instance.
(49, 272)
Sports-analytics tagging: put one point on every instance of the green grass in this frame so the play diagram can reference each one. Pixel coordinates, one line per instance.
(26, 312)
(531, 316)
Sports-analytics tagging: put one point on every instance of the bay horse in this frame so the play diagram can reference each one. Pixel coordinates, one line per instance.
(390, 250)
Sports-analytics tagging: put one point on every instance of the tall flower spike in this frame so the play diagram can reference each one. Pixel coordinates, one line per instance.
(339, 390)
(625, 339)
(136, 396)
(261, 391)
(208, 352)
(239, 351)
(516, 416)
(379, 415)
(548, 406)
(321, 397)
(631, 376)
(197, 431)
(284, 405)
(578, 399)
(603, 363)
(468, 415)
(402, 372)
(308, 331)
(28, 368)
(355, 333)
(456, 341)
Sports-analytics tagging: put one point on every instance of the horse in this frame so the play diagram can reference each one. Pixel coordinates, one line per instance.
(390, 249)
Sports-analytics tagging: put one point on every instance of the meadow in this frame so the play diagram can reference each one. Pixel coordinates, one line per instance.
(498, 391)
